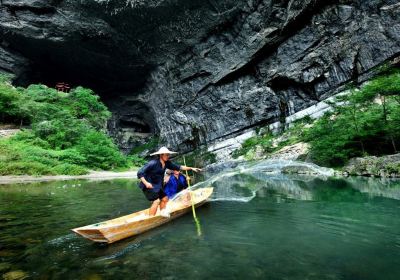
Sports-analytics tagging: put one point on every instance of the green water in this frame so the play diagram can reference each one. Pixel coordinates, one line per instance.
(292, 228)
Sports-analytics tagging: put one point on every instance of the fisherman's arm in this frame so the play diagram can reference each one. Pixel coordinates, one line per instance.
(173, 166)
(147, 184)
(195, 169)
(141, 175)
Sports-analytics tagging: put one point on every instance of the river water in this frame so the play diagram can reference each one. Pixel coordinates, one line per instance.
(258, 225)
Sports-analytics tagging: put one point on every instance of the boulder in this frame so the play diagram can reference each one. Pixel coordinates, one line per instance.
(384, 166)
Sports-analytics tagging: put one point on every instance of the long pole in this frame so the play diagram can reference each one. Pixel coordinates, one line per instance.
(196, 220)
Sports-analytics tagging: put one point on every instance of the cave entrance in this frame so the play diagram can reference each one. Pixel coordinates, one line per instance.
(132, 124)
(133, 114)
(135, 123)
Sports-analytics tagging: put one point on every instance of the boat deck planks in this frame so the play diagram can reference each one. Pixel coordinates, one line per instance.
(136, 223)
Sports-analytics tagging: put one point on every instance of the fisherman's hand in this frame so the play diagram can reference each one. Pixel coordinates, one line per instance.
(149, 186)
(196, 169)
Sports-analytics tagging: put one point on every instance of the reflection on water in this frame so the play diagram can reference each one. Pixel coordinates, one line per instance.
(259, 224)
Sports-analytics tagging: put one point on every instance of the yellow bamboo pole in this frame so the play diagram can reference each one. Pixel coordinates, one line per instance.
(196, 220)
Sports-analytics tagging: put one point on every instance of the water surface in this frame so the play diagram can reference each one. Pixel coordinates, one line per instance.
(259, 225)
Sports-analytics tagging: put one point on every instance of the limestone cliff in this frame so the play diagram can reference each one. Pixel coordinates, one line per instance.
(195, 71)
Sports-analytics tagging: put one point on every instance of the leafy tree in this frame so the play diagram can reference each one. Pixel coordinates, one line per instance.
(366, 121)
(86, 105)
(100, 152)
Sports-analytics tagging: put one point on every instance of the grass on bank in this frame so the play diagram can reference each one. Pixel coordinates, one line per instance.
(66, 132)
(364, 122)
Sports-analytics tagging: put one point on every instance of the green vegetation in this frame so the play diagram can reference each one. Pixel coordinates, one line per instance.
(199, 158)
(269, 143)
(150, 145)
(364, 122)
(136, 160)
(66, 134)
(134, 156)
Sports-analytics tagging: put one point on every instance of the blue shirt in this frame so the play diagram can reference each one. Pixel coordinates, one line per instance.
(175, 185)
(153, 172)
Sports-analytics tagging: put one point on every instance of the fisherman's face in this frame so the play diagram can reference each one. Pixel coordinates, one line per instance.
(164, 157)
(176, 172)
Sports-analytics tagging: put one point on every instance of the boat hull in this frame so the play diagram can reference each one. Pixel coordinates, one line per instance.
(131, 225)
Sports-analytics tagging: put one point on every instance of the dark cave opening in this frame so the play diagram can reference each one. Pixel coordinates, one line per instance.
(133, 122)
(137, 125)
(95, 63)
(105, 84)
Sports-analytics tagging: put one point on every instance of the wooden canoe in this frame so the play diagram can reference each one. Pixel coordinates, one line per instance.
(130, 225)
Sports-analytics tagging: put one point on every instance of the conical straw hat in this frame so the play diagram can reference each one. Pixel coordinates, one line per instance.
(163, 150)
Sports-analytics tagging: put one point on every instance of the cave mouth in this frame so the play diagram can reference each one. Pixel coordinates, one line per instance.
(96, 64)
(103, 83)
(135, 124)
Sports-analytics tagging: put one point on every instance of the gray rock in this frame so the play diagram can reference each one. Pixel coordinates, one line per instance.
(385, 166)
(195, 72)
(245, 81)
(291, 152)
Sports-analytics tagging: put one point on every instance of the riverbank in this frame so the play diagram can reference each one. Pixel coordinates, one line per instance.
(93, 175)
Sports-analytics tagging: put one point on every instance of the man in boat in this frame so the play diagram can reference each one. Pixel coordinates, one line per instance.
(175, 183)
(151, 178)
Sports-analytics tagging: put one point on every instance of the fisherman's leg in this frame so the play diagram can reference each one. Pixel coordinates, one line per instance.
(188, 197)
(154, 207)
(185, 196)
(163, 202)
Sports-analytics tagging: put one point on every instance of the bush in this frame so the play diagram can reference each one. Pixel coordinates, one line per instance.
(69, 169)
(72, 156)
(86, 105)
(265, 141)
(137, 161)
(61, 133)
(9, 104)
(28, 137)
(100, 152)
(25, 168)
(393, 168)
(149, 145)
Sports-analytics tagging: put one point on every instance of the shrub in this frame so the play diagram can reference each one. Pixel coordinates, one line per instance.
(149, 145)
(393, 168)
(9, 104)
(28, 137)
(135, 160)
(69, 169)
(86, 105)
(61, 133)
(25, 168)
(72, 156)
(100, 152)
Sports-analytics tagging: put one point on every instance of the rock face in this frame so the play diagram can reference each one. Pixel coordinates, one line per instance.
(196, 72)
(292, 152)
(385, 166)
